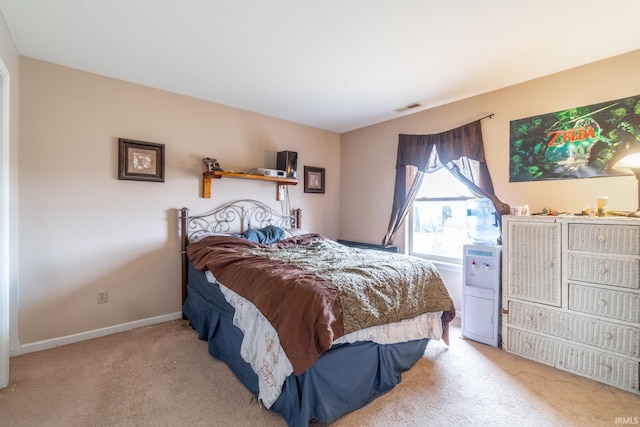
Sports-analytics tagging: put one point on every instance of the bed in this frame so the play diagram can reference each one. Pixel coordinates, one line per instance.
(313, 328)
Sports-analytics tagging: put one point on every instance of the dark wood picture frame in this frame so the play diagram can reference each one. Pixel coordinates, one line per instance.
(313, 180)
(140, 160)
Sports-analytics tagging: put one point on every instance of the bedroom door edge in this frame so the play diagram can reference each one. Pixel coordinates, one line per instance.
(5, 308)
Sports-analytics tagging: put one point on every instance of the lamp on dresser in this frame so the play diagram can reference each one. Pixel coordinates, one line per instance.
(631, 163)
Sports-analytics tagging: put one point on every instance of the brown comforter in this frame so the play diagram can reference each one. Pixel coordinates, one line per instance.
(313, 290)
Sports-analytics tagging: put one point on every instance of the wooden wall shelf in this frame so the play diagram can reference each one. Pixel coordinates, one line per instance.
(280, 182)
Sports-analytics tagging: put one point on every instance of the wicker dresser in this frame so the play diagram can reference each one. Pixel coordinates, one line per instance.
(571, 295)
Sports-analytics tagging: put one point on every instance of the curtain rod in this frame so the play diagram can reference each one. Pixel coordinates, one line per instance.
(487, 116)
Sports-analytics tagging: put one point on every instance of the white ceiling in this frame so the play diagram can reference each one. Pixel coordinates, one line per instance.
(332, 64)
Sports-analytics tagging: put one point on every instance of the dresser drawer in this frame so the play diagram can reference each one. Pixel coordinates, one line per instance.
(622, 272)
(598, 333)
(599, 366)
(605, 302)
(607, 238)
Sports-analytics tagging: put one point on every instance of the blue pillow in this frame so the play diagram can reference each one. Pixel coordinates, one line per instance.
(266, 235)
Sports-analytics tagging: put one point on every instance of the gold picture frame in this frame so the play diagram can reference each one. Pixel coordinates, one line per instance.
(140, 160)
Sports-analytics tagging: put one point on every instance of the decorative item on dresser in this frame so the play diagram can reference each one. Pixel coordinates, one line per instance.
(571, 296)
(631, 163)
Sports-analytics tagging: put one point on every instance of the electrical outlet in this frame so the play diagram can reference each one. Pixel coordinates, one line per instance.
(102, 297)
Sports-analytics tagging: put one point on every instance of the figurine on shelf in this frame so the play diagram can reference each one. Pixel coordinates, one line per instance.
(212, 164)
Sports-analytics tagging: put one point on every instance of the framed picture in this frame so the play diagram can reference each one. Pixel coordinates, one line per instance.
(313, 180)
(140, 161)
(579, 142)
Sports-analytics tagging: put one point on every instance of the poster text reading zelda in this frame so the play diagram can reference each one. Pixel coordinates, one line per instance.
(582, 142)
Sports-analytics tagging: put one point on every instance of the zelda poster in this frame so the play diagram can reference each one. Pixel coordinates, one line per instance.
(583, 142)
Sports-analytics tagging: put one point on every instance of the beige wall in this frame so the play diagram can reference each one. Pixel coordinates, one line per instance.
(82, 230)
(368, 155)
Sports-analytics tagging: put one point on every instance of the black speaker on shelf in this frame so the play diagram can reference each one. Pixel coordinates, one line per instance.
(288, 161)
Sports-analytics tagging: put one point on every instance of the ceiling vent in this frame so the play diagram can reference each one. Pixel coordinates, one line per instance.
(408, 107)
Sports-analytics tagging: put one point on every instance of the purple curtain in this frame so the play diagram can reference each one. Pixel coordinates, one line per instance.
(421, 154)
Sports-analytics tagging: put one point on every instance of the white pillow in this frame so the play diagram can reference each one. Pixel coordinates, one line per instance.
(293, 232)
(202, 234)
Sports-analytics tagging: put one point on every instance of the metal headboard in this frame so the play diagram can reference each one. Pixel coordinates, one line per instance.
(235, 217)
(232, 217)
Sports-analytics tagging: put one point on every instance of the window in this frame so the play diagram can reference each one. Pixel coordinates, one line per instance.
(438, 218)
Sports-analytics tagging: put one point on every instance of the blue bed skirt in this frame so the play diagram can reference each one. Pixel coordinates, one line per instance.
(344, 379)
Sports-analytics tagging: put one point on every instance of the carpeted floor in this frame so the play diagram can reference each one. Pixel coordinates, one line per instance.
(162, 375)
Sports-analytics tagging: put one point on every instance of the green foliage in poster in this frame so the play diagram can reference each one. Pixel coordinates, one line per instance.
(583, 142)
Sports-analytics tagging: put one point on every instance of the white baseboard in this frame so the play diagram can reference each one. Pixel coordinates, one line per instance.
(97, 333)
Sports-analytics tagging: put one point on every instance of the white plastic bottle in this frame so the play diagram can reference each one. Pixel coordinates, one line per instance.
(482, 221)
